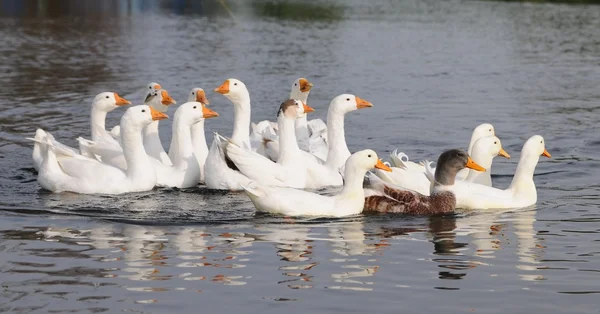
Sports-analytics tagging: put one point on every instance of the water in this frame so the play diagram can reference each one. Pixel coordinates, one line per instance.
(433, 69)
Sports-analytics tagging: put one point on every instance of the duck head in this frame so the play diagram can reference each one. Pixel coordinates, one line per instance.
(345, 103)
(109, 101)
(451, 162)
(198, 94)
(490, 146)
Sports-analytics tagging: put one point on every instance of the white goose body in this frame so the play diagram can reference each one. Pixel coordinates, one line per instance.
(329, 174)
(110, 152)
(74, 173)
(185, 171)
(217, 173)
(292, 202)
(521, 192)
(290, 168)
(102, 104)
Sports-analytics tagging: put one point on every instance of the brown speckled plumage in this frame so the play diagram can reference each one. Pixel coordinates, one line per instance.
(413, 203)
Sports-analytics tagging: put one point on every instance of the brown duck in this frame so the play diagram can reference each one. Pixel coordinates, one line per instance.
(393, 200)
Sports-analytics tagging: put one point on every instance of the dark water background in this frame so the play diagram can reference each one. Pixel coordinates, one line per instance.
(433, 69)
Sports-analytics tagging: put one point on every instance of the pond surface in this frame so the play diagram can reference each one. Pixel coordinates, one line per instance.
(433, 69)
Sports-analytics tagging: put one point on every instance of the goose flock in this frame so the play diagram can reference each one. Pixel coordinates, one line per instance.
(279, 164)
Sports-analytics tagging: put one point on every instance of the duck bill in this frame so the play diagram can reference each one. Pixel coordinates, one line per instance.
(382, 166)
(361, 103)
(166, 98)
(201, 97)
(157, 115)
(305, 85)
(307, 108)
(207, 113)
(546, 154)
(120, 101)
(503, 153)
(473, 165)
(224, 88)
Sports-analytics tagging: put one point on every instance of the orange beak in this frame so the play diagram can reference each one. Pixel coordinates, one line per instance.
(382, 166)
(201, 97)
(121, 101)
(546, 154)
(224, 88)
(208, 113)
(166, 98)
(157, 87)
(307, 108)
(305, 85)
(157, 115)
(503, 153)
(361, 103)
(473, 165)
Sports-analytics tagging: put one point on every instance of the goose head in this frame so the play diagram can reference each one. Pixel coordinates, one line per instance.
(234, 90)
(198, 94)
(345, 103)
(293, 109)
(450, 163)
(151, 88)
(109, 101)
(160, 100)
(300, 89)
(193, 112)
(482, 130)
(489, 146)
(535, 146)
(366, 160)
(138, 117)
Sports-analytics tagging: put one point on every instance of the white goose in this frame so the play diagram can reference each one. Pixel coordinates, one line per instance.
(102, 104)
(110, 151)
(62, 171)
(217, 171)
(520, 193)
(185, 171)
(152, 88)
(198, 136)
(483, 152)
(292, 202)
(329, 174)
(290, 168)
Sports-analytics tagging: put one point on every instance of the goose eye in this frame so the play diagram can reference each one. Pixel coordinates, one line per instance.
(195, 107)
(490, 130)
(235, 84)
(149, 87)
(295, 84)
(107, 97)
(541, 142)
(495, 142)
(347, 99)
(369, 156)
(192, 93)
(143, 110)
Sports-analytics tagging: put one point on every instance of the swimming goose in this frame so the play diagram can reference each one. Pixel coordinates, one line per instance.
(102, 104)
(292, 202)
(520, 193)
(198, 136)
(392, 200)
(62, 171)
(219, 171)
(109, 150)
(328, 174)
(290, 168)
(185, 171)
(484, 151)
(152, 88)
